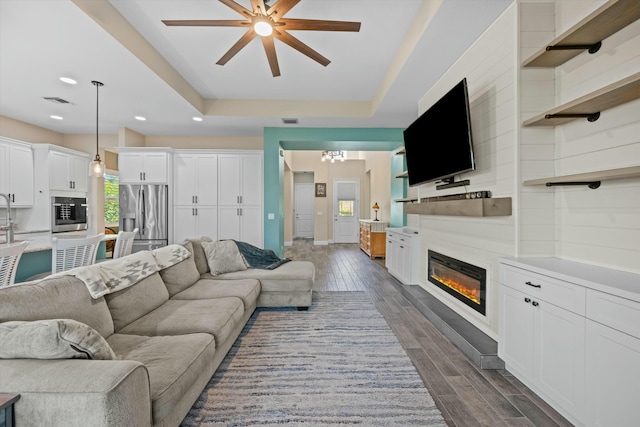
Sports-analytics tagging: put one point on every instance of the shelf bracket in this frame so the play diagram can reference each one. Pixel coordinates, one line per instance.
(591, 117)
(591, 184)
(592, 48)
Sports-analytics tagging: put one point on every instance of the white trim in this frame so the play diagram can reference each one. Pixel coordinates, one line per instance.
(288, 244)
(320, 243)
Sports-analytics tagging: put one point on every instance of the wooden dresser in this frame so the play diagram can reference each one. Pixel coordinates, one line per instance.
(373, 237)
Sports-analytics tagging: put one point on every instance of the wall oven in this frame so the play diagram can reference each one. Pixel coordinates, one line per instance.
(68, 214)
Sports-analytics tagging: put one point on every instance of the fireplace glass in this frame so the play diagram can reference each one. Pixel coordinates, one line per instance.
(464, 281)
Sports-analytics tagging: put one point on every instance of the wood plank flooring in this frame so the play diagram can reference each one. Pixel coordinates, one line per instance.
(466, 395)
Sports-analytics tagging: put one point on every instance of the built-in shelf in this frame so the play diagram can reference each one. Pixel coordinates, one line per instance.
(609, 96)
(406, 200)
(588, 177)
(500, 206)
(404, 174)
(603, 22)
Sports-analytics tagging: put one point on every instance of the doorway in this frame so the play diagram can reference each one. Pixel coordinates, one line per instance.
(303, 210)
(346, 210)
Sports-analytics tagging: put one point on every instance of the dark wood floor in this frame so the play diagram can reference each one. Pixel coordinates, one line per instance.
(466, 396)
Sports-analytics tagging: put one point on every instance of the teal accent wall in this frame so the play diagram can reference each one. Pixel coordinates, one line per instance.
(398, 191)
(275, 139)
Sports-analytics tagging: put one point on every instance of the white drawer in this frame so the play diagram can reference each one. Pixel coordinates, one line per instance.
(392, 235)
(563, 294)
(610, 310)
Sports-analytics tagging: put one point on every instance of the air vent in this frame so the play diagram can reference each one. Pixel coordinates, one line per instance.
(56, 100)
(290, 121)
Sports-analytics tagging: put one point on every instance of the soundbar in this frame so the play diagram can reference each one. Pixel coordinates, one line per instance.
(460, 196)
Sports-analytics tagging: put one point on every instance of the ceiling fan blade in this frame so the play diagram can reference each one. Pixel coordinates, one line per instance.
(258, 7)
(319, 25)
(238, 8)
(287, 38)
(206, 23)
(279, 8)
(270, 49)
(242, 42)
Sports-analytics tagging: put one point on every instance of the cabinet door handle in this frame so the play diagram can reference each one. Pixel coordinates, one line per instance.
(140, 176)
(13, 197)
(535, 303)
(196, 211)
(527, 300)
(240, 199)
(532, 285)
(401, 247)
(196, 199)
(70, 184)
(144, 176)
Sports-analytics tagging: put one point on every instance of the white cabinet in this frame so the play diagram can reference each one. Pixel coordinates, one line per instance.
(195, 186)
(195, 222)
(566, 334)
(240, 198)
(68, 172)
(143, 166)
(16, 173)
(195, 179)
(613, 360)
(402, 251)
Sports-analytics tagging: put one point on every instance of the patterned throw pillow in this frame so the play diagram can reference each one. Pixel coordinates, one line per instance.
(223, 256)
(52, 339)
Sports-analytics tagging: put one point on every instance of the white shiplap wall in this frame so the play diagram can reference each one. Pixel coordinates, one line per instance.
(490, 67)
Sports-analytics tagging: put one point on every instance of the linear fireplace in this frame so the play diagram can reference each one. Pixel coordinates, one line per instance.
(464, 281)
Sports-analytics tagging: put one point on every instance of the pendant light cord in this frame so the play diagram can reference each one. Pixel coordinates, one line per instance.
(97, 84)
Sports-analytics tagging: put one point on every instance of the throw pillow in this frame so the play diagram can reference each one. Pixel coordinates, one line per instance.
(223, 256)
(180, 276)
(52, 339)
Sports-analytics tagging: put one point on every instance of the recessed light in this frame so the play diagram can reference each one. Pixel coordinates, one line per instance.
(55, 117)
(197, 119)
(142, 119)
(68, 80)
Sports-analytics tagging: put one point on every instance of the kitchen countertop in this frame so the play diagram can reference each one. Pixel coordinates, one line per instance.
(41, 240)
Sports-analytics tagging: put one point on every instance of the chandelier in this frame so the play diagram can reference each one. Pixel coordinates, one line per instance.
(333, 156)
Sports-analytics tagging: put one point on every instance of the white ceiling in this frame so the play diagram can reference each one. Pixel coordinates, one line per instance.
(42, 40)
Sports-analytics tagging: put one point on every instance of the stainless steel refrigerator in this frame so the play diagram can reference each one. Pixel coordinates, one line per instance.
(147, 208)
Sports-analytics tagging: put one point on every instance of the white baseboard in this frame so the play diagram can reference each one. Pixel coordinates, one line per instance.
(288, 243)
(331, 242)
(320, 242)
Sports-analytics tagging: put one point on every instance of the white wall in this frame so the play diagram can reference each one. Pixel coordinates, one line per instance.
(592, 226)
(490, 67)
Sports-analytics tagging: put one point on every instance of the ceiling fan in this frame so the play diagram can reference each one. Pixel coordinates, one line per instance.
(268, 22)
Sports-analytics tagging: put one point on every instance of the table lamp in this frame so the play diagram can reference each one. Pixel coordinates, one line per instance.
(375, 207)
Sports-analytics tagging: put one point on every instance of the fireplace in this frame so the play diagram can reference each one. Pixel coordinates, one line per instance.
(464, 281)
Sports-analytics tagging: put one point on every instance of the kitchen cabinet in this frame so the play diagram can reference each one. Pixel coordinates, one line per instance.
(195, 184)
(402, 250)
(569, 331)
(195, 179)
(143, 167)
(240, 193)
(194, 222)
(68, 171)
(373, 238)
(17, 173)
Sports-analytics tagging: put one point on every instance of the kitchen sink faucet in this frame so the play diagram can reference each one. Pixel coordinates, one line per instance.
(9, 224)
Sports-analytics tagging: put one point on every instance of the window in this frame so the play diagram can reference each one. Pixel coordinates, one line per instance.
(111, 200)
(346, 207)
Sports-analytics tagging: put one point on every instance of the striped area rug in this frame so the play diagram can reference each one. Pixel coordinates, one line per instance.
(338, 363)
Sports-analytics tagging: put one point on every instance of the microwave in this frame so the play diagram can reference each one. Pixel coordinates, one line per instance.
(68, 214)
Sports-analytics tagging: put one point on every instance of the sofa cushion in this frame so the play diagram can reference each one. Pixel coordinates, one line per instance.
(247, 290)
(223, 256)
(52, 339)
(199, 256)
(217, 317)
(62, 297)
(134, 302)
(182, 275)
(174, 363)
(292, 276)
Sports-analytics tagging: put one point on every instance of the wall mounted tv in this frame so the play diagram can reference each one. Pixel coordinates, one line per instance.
(438, 145)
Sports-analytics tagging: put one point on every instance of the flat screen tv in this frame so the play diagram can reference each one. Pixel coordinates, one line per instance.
(438, 145)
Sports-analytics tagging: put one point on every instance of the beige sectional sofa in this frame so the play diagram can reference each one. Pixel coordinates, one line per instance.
(169, 332)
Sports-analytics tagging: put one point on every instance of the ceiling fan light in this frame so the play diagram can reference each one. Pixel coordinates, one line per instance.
(263, 28)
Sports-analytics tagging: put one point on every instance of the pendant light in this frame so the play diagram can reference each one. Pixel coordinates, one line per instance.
(96, 168)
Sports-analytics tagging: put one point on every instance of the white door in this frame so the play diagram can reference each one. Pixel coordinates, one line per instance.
(304, 199)
(346, 227)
